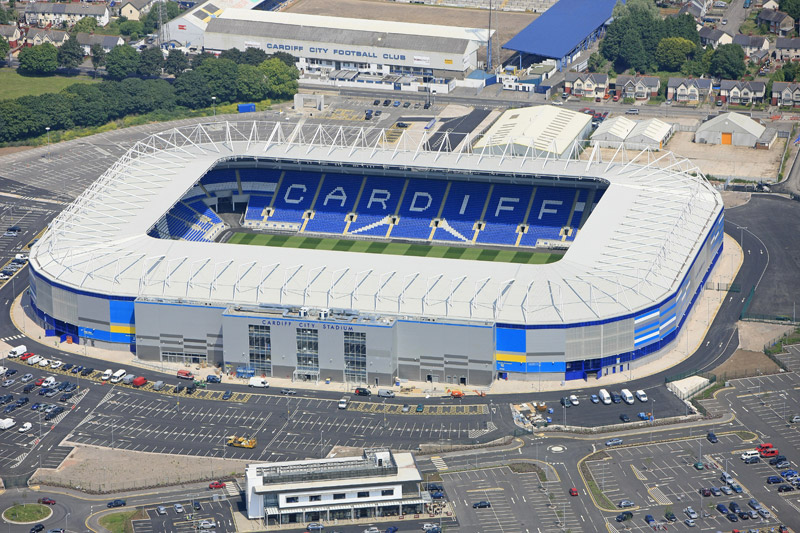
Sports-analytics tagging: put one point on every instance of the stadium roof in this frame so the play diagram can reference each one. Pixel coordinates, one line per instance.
(543, 127)
(635, 249)
(562, 27)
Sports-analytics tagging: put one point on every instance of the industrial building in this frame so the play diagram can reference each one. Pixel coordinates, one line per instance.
(133, 264)
(650, 134)
(730, 128)
(538, 130)
(379, 483)
(612, 132)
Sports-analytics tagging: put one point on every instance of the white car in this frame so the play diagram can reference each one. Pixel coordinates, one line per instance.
(178, 508)
(691, 513)
(44, 362)
(56, 364)
(573, 399)
(25, 427)
(35, 359)
(426, 527)
(372, 529)
(207, 524)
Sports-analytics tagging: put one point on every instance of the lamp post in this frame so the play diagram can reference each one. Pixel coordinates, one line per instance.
(47, 129)
(214, 103)
(66, 522)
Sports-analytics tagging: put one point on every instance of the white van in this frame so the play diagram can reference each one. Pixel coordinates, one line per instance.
(605, 397)
(35, 359)
(642, 395)
(118, 375)
(385, 393)
(343, 402)
(258, 382)
(627, 397)
(107, 374)
(748, 454)
(16, 352)
(3, 371)
(49, 382)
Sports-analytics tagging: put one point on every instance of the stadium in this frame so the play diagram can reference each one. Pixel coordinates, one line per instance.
(360, 255)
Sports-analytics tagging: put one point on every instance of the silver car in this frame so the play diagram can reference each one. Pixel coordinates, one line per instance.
(691, 513)
(178, 508)
(161, 510)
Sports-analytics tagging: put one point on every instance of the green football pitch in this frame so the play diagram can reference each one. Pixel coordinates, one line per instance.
(395, 248)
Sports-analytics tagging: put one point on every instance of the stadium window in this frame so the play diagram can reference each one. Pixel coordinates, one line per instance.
(339, 496)
(387, 492)
(363, 494)
(315, 498)
(292, 499)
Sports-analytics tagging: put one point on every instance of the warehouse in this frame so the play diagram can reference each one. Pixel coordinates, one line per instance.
(729, 128)
(538, 130)
(612, 132)
(651, 133)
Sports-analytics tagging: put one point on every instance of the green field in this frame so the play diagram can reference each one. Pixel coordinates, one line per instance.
(15, 85)
(395, 248)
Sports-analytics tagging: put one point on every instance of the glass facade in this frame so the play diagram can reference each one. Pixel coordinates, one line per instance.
(260, 349)
(183, 358)
(355, 357)
(308, 349)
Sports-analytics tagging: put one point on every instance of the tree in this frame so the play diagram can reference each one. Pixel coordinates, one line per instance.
(4, 48)
(647, 6)
(132, 28)
(220, 78)
(253, 56)
(673, 52)
(166, 10)
(199, 58)
(6, 16)
(633, 53)
(281, 79)
(98, 54)
(151, 61)
(191, 90)
(176, 62)
(791, 7)
(288, 59)
(234, 54)
(595, 62)
(85, 25)
(251, 83)
(70, 54)
(38, 60)
(89, 104)
(122, 62)
(727, 62)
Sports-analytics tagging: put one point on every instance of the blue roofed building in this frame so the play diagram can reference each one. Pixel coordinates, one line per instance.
(564, 30)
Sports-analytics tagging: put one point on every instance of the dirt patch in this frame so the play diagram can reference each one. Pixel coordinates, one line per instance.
(102, 470)
(724, 161)
(745, 363)
(13, 149)
(506, 24)
(756, 335)
(734, 199)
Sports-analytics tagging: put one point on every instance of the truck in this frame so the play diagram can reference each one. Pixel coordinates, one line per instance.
(242, 442)
(139, 382)
(7, 423)
(17, 351)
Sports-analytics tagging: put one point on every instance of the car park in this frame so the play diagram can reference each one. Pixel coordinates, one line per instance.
(387, 103)
(722, 509)
(25, 427)
(10, 372)
(44, 362)
(649, 520)
(376, 102)
(752, 460)
(734, 507)
(704, 492)
(8, 382)
(616, 398)
(732, 517)
(715, 491)
(22, 401)
(699, 466)
(56, 364)
(67, 367)
(771, 452)
(420, 408)
(87, 371)
(27, 389)
(788, 473)
(406, 105)
(785, 488)
(196, 505)
(774, 479)
(777, 459)
(764, 513)
(396, 103)
(641, 395)
(670, 516)
(736, 488)
(726, 490)
(406, 408)
(783, 464)
(690, 522)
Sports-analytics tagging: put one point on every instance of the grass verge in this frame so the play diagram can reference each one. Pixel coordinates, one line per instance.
(527, 468)
(15, 85)
(120, 522)
(394, 248)
(746, 436)
(600, 499)
(29, 512)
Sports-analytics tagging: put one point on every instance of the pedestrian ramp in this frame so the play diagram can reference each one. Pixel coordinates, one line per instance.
(439, 463)
(658, 496)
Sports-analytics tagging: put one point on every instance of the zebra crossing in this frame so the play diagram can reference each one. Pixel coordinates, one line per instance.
(12, 338)
(439, 463)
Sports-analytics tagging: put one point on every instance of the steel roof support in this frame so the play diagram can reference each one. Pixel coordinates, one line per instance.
(334, 282)
(357, 284)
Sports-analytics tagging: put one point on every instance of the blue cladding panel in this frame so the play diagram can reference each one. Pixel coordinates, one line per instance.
(510, 367)
(510, 340)
(558, 366)
(121, 312)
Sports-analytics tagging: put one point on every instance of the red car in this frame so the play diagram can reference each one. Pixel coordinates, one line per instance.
(216, 485)
(47, 501)
(769, 452)
(27, 356)
(39, 382)
(765, 446)
(573, 491)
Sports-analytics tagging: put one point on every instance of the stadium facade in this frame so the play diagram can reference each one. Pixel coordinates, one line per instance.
(132, 263)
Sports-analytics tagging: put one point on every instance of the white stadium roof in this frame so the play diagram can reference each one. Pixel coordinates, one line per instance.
(635, 249)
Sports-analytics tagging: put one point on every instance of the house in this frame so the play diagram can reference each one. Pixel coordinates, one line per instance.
(87, 40)
(10, 33)
(730, 128)
(135, 9)
(638, 87)
(688, 90)
(787, 49)
(785, 93)
(771, 4)
(586, 84)
(713, 38)
(742, 92)
(751, 43)
(52, 14)
(37, 36)
(778, 22)
(696, 8)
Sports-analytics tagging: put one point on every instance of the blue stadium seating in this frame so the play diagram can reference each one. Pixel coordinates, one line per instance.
(462, 209)
(549, 213)
(258, 180)
(337, 198)
(379, 199)
(294, 197)
(420, 205)
(203, 209)
(255, 207)
(219, 176)
(505, 211)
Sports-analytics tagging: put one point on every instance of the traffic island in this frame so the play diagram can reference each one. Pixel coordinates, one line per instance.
(27, 513)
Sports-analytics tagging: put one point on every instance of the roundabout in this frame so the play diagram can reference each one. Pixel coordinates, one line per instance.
(28, 513)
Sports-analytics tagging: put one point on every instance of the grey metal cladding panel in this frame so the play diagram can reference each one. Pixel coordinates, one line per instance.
(545, 341)
(65, 305)
(271, 30)
(83, 321)
(95, 309)
(151, 353)
(408, 372)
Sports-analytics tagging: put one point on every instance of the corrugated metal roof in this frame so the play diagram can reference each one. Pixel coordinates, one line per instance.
(277, 30)
(652, 129)
(618, 127)
(546, 128)
(726, 120)
(562, 27)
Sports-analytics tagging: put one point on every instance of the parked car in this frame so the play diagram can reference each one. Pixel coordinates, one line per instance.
(216, 485)
(622, 517)
(481, 505)
(785, 488)
(774, 479)
(624, 417)
(625, 504)
(178, 508)
(691, 513)
(712, 438)
(228, 395)
(594, 398)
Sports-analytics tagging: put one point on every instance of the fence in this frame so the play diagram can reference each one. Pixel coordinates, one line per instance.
(685, 394)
